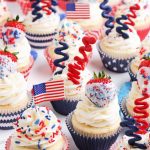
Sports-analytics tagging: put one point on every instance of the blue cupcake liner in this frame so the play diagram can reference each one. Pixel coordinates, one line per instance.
(132, 75)
(64, 107)
(122, 96)
(7, 123)
(114, 64)
(90, 143)
(40, 41)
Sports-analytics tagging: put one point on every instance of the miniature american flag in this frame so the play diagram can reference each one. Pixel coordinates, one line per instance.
(49, 91)
(78, 11)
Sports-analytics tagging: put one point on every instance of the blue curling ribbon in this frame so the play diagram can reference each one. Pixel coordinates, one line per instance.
(123, 26)
(106, 10)
(54, 3)
(36, 9)
(130, 123)
(58, 62)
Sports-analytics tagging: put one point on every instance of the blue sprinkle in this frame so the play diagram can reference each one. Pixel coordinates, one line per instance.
(48, 117)
(53, 126)
(17, 142)
(37, 122)
(47, 139)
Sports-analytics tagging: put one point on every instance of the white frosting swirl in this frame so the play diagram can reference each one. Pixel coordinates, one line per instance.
(21, 46)
(41, 127)
(45, 25)
(89, 114)
(13, 89)
(117, 47)
(122, 144)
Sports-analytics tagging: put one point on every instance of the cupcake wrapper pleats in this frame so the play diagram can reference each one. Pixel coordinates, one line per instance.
(132, 75)
(7, 120)
(64, 107)
(87, 143)
(40, 41)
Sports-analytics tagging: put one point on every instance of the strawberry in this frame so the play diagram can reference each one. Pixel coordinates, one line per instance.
(15, 23)
(100, 90)
(146, 61)
(8, 54)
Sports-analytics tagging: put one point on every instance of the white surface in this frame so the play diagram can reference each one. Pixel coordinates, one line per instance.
(41, 72)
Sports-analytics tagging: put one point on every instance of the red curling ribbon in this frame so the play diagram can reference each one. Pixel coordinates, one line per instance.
(45, 7)
(80, 63)
(133, 15)
(140, 109)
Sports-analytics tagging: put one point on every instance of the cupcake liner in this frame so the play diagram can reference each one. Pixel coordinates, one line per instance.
(40, 41)
(90, 143)
(143, 33)
(26, 71)
(49, 60)
(114, 64)
(64, 107)
(132, 75)
(9, 147)
(8, 119)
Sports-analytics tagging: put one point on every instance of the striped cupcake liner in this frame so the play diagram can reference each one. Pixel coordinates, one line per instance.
(64, 107)
(90, 143)
(8, 144)
(114, 64)
(8, 119)
(26, 72)
(40, 41)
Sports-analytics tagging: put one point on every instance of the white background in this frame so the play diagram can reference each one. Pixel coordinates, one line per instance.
(41, 73)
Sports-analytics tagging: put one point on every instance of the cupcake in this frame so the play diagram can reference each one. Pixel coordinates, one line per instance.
(132, 140)
(95, 124)
(138, 89)
(37, 128)
(14, 98)
(72, 34)
(116, 51)
(134, 64)
(91, 22)
(74, 74)
(41, 28)
(142, 21)
(13, 37)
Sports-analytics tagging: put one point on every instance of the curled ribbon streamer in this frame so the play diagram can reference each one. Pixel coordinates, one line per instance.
(133, 15)
(130, 123)
(58, 62)
(79, 65)
(36, 9)
(140, 109)
(46, 6)
(106, 10)
(123, 26)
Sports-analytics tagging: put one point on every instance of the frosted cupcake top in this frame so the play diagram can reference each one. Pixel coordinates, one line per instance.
(37, 128)
(122, 144)
(13, 87)
(70, 33)
(116, 46)
(143, 15)
(19, 45)
(41, 19)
